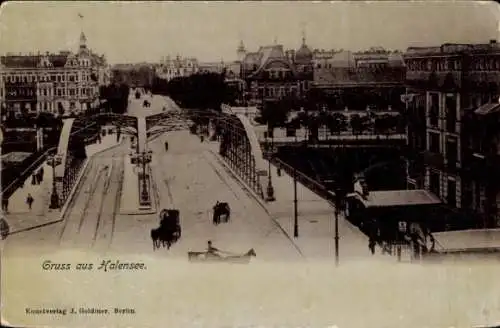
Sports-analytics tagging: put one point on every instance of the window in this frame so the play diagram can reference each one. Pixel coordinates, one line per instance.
(452, 152)
(467, 194)
(434, 110)
(451, 113)
(434, 142)
(434, 183)
(451, 198)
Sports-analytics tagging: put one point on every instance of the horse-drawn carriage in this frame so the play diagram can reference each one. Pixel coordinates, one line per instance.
(221, 212)
(169, 231)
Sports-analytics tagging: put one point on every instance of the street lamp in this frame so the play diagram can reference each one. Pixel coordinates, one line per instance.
(54, 161)
(142, 159)
(295, 209)
(270, 188)
(339, 206)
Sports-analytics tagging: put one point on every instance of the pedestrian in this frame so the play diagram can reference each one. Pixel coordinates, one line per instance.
(33, 178)
(29, 200)
(5, 204)
(4, 228)
(371, 245)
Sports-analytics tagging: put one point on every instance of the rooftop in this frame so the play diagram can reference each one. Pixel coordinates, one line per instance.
(399, 198)
(453, 48)
(14, 157)
(488, 108)
(35, 60)
(467, 240)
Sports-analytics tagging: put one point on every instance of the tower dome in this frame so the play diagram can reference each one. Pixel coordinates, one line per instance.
(83, 40)
(241, 51)
(304, 54)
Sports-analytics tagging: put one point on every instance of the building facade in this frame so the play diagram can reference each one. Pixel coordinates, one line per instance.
(65, 83)
(134, 75)
(212, 67)
(170, 68)
(372, 79)
(273, 73)
(454, 126)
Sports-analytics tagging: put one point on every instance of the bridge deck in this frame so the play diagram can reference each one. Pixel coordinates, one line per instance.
(190, 179)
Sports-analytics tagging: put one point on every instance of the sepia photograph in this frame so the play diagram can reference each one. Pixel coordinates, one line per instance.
(250, 164)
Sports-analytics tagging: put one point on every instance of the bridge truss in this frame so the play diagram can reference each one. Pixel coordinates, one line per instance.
(68, 158)
(239, 146)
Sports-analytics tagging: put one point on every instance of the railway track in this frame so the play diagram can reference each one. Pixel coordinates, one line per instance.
(89, 193)
(102, 202)
(109, 207)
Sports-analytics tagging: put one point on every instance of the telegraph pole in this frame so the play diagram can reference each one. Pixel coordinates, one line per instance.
(295, 210)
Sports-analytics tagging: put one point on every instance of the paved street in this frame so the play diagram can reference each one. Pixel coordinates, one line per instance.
(135, 107)
(187, 177)
(190, 179)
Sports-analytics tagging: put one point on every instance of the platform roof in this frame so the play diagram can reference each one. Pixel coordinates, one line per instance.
(488, 108)
(467, 240)
(393, 198)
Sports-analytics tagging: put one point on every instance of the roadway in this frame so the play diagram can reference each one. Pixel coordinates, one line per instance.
(187, 177)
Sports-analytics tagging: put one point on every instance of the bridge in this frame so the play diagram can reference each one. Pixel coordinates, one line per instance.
(110, 192)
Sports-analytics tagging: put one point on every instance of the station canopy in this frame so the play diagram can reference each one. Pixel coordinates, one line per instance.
(488, 108)
(393, 198)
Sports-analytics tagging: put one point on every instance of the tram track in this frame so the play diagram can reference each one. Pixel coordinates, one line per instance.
(116, 207)
(101, 205)
(78, 228)
(108, 209)
(91, 192)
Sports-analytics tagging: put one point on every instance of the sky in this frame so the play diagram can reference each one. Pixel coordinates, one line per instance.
(129, 32)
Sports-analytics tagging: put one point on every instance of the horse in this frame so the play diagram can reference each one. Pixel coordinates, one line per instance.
(221, 209)
(164, 237)
(169, 231)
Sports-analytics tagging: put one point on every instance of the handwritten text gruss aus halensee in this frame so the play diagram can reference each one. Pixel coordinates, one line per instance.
(103, 265)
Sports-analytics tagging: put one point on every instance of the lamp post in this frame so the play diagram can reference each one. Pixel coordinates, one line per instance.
(53, 161)
(339, 206)
(337, 211)
(142, 159)
(295, 209)
(270, 188)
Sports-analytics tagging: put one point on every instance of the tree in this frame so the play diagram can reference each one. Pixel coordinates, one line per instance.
(337, 123)
(356, 124)
(200, 91)
(274, 114)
